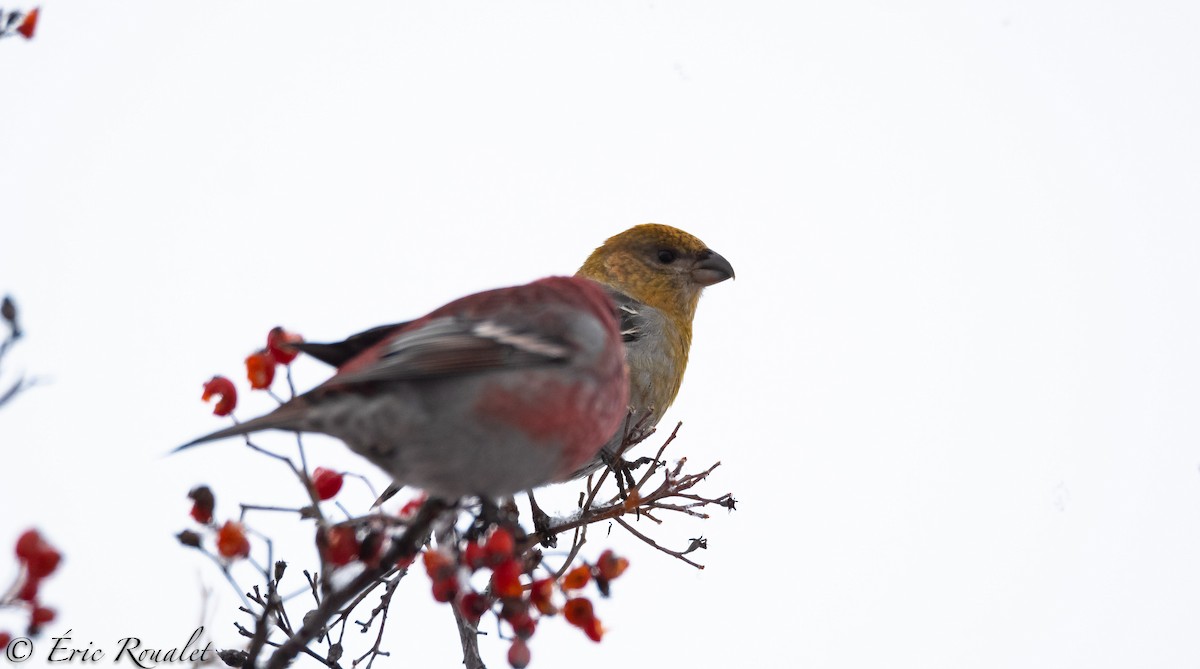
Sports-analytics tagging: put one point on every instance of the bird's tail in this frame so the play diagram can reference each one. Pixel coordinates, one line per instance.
(283, 418)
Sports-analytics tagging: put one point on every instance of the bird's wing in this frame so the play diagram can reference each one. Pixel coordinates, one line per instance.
(448, 346)
(341, 352)
(630, 315)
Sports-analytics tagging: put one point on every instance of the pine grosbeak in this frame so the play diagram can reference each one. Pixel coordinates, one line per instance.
(489, 395)
(654, 273)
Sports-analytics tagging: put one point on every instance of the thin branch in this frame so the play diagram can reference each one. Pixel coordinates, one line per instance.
(315, 621)
(668, 551)
(381, 611)
(468, 637)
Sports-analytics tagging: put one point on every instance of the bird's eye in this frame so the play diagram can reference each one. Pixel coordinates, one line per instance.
(666, 256)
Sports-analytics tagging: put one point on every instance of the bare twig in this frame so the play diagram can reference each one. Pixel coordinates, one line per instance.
(668, 551)
(639, 501)
(468, 633)
(334, 601)
(468, 637)
(381, 611)
(8, 313)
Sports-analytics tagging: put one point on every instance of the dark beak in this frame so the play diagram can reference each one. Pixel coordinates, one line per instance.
(711, 268)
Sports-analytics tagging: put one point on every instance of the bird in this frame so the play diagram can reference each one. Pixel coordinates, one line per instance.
(654, 275)
(494, 393)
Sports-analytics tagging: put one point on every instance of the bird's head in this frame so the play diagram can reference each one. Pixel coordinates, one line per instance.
(658, 265)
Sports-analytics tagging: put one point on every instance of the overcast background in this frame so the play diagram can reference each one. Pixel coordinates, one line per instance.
(954, 386)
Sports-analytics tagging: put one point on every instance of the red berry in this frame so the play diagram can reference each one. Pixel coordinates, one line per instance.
(506, 579)
(29, 24)
(473, 555)
(445, 589)
(44, 562)
(219, 385)
(473, 605)
(29, 589)
(232, 542)
(201, 515)
(610, 566)
(39, 557)
(540, 593)
(27, 544)
(41, 615)
(577, 577)
(499, 546)
(593, 629)
(260, 369)
(412, 506)
(277, 343)
(522, 623)
(578, 611)
(5, 639)
(326, 482)
(341, 545)
(203, 503)
(518, 654)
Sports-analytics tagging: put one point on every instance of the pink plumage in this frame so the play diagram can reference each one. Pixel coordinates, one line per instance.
(491, 394)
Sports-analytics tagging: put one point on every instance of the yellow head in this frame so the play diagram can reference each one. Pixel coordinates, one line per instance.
(660, 266)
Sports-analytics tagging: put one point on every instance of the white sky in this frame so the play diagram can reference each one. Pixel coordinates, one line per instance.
(954, 387)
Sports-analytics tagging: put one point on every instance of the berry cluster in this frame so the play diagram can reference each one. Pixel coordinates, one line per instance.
(339, 545)
(38, 560)
(512, 593)
(230, 538)
(260, 370)
(260, 365)
(354, 541)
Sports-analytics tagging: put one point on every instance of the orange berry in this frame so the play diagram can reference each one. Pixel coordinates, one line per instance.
(578, 611)
(577, 577)
(232, 542)
(540, 594)
(506, 579)
(260, 369)
(29, 24)
(499, 546)
(610, 566)
(437, 564)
